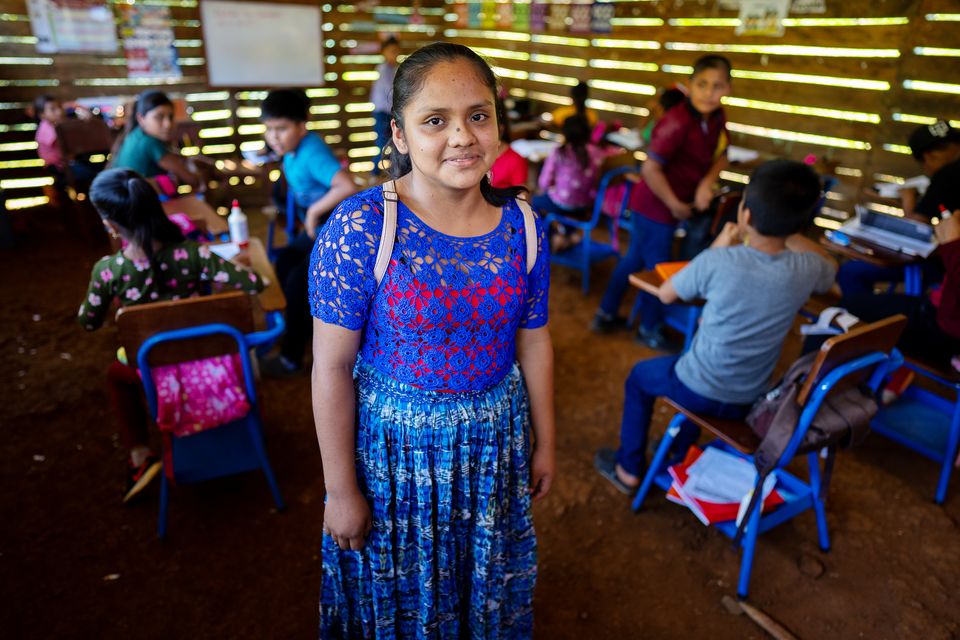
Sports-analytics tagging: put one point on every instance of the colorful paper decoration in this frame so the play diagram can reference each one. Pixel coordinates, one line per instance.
(538, 16)
(580, 17)
(557, 18)
(601, 15)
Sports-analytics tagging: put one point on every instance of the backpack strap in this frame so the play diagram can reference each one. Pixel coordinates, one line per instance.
(389, 232)
(529, 232)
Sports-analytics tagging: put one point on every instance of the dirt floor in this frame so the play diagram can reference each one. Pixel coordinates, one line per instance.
(76, 563)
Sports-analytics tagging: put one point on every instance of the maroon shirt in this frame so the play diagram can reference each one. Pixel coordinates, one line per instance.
(948, 311)
(686, 144)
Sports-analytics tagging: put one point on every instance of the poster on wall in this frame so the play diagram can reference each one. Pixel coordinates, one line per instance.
(488, 14)
(762, 17)
(538, 16)
(148, 41)
(808, 6)
(558, 17)
(505, 18)
(580, 14)
(460, 10)
(601, 16)
(521, 17)
(72, 25)
(474, 17)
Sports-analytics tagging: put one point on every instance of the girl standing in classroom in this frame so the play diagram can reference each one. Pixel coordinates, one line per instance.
(426, 384)
(144, 145)
(157, 263)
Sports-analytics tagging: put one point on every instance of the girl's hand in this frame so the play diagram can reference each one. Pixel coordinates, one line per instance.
(542, 471)
(681, 210)
(728, 236)
(948, 229)
(347, 519)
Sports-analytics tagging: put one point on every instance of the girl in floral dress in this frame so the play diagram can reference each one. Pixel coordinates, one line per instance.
(156, 264)
(427, 384)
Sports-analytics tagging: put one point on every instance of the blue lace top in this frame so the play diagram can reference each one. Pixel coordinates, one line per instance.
(446, 314)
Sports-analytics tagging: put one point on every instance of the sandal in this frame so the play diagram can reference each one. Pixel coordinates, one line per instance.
(605, 462)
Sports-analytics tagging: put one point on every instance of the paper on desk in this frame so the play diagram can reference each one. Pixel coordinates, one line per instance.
(741, 154)
(254, 156)
(534, 150)
(721, 477)
(629, 139)
(226, 250)
(892, 189)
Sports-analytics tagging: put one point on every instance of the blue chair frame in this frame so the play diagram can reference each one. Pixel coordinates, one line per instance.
(798, 495)
(585, 253)
(926, 423)
(229, 449)
(290, 226)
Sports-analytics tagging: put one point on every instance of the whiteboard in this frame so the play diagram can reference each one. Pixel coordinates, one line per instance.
(262, 44)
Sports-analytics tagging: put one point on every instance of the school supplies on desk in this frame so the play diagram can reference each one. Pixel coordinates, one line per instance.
(892, 189)
(629, 139)
(667, 270)
(534, 150)
(902, 235)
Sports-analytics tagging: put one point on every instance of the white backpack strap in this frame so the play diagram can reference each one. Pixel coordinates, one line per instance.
(389, 231)
(529, 232)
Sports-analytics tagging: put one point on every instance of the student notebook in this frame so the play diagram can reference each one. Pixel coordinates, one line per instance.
(903, 235)
(666, 270)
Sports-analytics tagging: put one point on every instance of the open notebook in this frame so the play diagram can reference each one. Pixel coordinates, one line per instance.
(906, 236)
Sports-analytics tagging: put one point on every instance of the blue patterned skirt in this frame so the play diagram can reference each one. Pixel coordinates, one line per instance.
(452, 553)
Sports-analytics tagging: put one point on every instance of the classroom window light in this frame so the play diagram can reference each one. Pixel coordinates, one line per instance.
(195, 24)
(848, 171)
(206, 116)
(252, 145)
(612, 43)
(326, 26)
(936, 51)
(215, 149)
(785, 50)
(827, 223)
(30, 83)
(346, 8)
(215, 132)
(191, 62)
(884, 208)
(856, 116)
(274, 175)
(732, 176)
(184, 189)
(4, 128)
(165, 3)
(942, 17)
(833, 195)
(135, 82)
(550, 78)
(361, 167)
(845, 22)
(640, 155)
(251, 129)
(492, 35)
(503, 72)
(502, 53)
(624, 65)
(187, 43)
(897, 148)
(18, 146)
(616, 107)
(26, 61)
(248, 112)
(801, 78)
(359, 123)
(333, 139)
(636, 22)
(324, 92)
(363, 152)
(516, 92)
(367, 136)
(358, 59)
(624, 87)
(550, 97)
(330, 76)
(360, 76)
(97, 158)
(21, 164)
(561, 60)
(13, 17)
(249, 95)
(26, 183)
(13, 105)
(323, 125)
(359, 107)
(18, 40)
(884, 177)
(189, 151)
(704, 22)
(677, 68)
(26, 203)
(324, 109)
(797, 136)
(560, 40)
(915, 119)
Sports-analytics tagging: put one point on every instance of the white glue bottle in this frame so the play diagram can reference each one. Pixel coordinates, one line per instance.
(237, 221)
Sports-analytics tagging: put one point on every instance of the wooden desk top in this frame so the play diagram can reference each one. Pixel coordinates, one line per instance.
(198, 211)
(866, 251)
(255, 257)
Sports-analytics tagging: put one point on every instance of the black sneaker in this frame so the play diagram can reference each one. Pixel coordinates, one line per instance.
(653, 338)
(138, 478)
(604, 323)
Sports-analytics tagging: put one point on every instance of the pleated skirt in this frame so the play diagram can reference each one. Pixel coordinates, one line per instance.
(452, 553)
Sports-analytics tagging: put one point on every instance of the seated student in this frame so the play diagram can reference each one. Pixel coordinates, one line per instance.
(49, 112)
(144, 145)
(754, 279)
(156, 264)
(937, 148)
(318, 184)
(570, 174)
(667, 98)
(579, 92)
(510, 169)
(684, 161)
(381, 95)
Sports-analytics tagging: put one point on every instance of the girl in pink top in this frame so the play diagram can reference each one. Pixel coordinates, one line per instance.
(49, 112)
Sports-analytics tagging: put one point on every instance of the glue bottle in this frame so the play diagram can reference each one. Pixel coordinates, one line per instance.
(237, 221)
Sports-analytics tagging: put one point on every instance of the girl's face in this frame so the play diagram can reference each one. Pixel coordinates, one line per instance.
(450, 127)
(52, 112)
(158, 122)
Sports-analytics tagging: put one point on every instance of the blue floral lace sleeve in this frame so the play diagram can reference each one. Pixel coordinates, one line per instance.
(341, 266)
(538, 283)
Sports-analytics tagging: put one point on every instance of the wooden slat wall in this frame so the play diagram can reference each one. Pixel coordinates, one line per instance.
(229, 118)
(652, 45)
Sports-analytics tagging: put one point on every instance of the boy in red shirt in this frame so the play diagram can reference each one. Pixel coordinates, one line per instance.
(684, 160)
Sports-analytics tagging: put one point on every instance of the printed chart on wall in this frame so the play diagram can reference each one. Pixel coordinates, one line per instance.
(72, 25)
(148, 42)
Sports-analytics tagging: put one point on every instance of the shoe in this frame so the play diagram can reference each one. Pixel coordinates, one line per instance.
(899, 381)
(603, 323)
(138, 478)
(605, 462)
(653, 338)
(277, 366)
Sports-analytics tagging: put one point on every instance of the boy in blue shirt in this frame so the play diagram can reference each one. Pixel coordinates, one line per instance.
(318, 184)
(754, 278)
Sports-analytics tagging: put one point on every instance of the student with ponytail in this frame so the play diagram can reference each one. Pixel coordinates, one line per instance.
(155, 264)
(144, 145)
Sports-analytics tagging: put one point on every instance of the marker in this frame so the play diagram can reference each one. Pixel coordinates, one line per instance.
(944, 212)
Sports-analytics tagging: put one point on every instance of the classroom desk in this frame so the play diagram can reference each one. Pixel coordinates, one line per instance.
(255, 257)
(866, 251)
(201, 213)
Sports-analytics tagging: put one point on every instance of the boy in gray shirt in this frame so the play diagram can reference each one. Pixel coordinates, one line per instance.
(754, 278)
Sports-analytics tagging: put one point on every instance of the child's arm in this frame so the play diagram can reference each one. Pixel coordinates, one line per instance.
(177, 165)
(668, 295)
(535, 355)
(799, 243)
(347, 514)
(545, 181)
(95, 305)
(653, 175)
(341, 188)
(705, 189)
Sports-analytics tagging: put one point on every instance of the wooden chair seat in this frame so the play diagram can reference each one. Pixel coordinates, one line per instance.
(736, 433)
